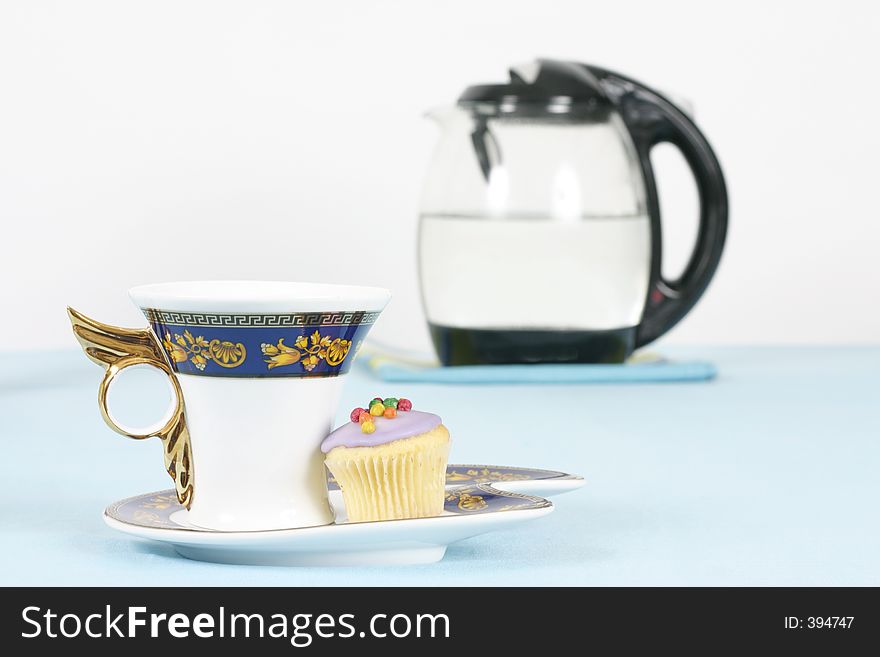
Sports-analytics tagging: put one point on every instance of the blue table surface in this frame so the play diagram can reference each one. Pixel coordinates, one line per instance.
(769, 475)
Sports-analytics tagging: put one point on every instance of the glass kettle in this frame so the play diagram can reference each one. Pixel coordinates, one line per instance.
(539, 236)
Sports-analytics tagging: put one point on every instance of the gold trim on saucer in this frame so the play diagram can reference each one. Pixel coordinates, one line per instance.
(114, 349)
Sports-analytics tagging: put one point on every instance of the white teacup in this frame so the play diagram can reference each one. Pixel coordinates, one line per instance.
(256, 368)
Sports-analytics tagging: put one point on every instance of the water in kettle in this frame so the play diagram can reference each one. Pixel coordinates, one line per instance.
(580, 274)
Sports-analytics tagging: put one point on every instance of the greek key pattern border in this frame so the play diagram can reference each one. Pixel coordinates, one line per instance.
(279, 320)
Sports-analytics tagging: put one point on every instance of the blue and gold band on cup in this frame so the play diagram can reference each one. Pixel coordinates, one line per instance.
(317, 344)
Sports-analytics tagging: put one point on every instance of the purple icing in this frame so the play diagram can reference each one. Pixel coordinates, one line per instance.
(405, 425)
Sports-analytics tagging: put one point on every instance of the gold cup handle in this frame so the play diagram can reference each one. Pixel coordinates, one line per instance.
(115, 349)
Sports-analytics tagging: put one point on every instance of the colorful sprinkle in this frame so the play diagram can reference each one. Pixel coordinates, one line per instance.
(379, 407)
(368, 427)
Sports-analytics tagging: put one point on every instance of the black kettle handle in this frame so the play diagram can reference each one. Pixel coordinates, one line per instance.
(652, 119)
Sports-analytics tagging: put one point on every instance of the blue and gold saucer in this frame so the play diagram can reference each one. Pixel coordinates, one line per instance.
(475, 504)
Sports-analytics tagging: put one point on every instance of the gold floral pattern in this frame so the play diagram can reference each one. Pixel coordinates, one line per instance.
(486, 475)
(471, 502)
(307, 350)
(227, 354)
(198, 351)
(154, 510)
(160, 502)
(147, 518)
(465, 501)
(337, 351)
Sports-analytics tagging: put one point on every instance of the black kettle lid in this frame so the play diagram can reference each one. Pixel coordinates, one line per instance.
(544, 86)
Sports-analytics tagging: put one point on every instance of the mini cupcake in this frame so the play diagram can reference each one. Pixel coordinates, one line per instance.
(389, 461)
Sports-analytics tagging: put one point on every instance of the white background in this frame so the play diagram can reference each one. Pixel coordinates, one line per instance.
(152, 141)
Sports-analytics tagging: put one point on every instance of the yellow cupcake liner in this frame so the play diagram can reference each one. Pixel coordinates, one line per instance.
(402, 479)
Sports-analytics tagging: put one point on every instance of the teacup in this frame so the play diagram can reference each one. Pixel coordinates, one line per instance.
(256, 368)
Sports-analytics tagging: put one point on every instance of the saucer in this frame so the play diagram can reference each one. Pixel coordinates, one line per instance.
(473, 506)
